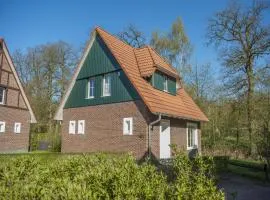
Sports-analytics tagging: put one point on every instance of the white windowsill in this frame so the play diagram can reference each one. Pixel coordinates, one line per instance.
(89, 97)
(191, 148)
(127, 134)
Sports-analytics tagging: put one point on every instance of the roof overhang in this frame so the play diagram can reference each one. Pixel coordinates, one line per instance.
(180, 117)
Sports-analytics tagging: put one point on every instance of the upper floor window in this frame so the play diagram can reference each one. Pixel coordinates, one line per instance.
(2, 95)
(106, 85)
(91, 88)
(192, 136)
(165, 84)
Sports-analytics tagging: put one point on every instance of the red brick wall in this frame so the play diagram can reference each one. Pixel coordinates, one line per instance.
(10, 141)
(104, 129)
(13, 110)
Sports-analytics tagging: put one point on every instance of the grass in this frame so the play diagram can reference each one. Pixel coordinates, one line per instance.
(248, 168)
(247, 172)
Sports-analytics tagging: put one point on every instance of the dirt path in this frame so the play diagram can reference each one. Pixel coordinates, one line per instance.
(240, 188)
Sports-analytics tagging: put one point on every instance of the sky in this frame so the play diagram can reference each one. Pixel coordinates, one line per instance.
(27, 23)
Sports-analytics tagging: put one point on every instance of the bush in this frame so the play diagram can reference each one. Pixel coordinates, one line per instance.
(104, 177)
(194, 179)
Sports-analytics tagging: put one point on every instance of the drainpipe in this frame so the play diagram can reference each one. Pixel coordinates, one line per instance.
(149, 134)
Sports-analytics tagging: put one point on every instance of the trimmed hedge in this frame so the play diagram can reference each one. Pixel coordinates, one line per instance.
(103, 176)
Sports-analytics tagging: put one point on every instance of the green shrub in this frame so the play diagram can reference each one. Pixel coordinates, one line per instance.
(103, 176)
(194, 179)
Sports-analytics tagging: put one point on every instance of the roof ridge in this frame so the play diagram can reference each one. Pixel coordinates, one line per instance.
(138, 48)
(98, 28)
(148, 47)
(137, 61)
(164, 59)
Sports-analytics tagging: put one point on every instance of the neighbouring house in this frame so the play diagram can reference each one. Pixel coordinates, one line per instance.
(15, 111)
(125, 99)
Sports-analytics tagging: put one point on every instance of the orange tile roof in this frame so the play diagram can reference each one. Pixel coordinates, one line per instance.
(149, 60)
(138, 62)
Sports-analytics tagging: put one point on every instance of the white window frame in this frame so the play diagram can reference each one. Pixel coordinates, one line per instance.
(81, 129)
(19, 127)
(194, 126)
(3, 95)
(125, 130)
(70, 129)
(165, 83)
(106, 87)
(3, 127)
(91, 87)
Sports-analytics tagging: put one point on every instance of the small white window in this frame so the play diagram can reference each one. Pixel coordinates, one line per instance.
(81, 124)
(127, 126)
(2, 95)
(91, 88)
(2, 127)
(17, 127)
(192, 136)
(165, 84)
(72, 127)
(106, 85)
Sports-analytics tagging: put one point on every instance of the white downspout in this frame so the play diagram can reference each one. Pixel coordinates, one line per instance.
(149, 134)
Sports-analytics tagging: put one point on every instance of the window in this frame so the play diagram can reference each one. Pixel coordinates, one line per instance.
(2, 127)
(81, 126)
(17, 127)
(106, 85)
(127, 126)
(2, 95)
(72, 127)
(91, 88)
(165, 84)
(192, 136)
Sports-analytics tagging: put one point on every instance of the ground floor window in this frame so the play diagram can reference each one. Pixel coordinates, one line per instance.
(2, 127)
(81, 124)
(17, 127)
(72, 127)
(127, 126)
(192, 136)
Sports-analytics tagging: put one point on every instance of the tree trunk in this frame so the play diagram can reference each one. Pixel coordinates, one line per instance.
(250, 77)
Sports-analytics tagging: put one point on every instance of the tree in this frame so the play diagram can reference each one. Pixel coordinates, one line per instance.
(243, 40)
(45, 71)
(174, 46)
(200, 82)
(132, 36)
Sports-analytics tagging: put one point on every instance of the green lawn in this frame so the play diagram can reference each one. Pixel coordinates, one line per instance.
(247, 168)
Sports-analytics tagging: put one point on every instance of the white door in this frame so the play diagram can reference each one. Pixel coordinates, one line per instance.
(165, 140)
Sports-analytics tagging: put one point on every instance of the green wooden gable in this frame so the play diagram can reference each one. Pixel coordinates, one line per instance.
(100, 61)
(157, 80)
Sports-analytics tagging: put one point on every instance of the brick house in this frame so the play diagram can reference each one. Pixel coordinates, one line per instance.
(15, 111)
(125, 99)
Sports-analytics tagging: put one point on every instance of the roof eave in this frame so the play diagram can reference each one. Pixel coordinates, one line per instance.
(162, 69)
(181, 117)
